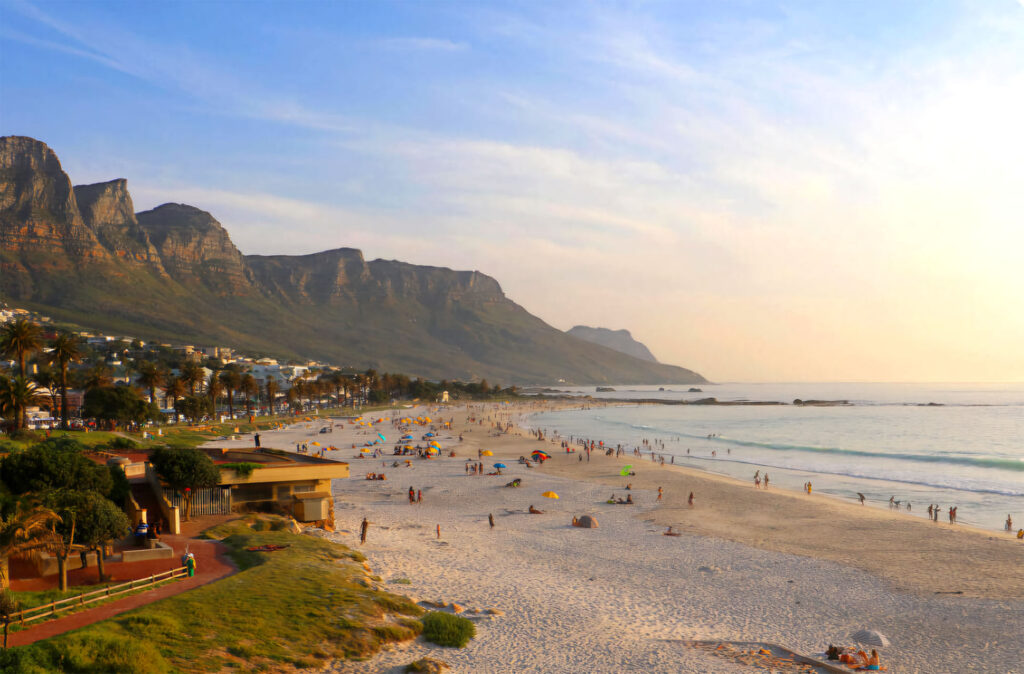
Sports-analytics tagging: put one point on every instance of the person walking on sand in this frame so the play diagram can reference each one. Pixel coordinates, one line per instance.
(690, 500)
(659, 498)
(1009, 523)
(861, 497)
(363, 528)
(419, 496)
(766, 480)
(490, 518)
(412, 496)
(952, 514)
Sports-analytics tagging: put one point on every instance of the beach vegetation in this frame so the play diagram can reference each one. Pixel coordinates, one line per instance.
(446, 629)
(290, 608)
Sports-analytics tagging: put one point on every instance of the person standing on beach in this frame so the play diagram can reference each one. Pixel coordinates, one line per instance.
(766, 480)
(363, 528)
(690, 500)
(419, 496)
(952, 514)
(490, 518)
(412, 495)
(1009, 523)
(659, 498)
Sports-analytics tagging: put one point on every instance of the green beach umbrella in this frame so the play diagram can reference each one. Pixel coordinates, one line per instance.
(625, 470)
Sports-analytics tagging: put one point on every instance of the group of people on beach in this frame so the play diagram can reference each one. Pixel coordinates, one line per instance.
(758, 479)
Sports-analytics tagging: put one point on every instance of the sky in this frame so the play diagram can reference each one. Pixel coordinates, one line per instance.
(758, 191)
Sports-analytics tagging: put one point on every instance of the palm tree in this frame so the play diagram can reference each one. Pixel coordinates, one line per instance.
(151, 375)
(271, 388)
(251, 389)
(46, 378)
(174, 388)
(231, 380)
(65, 349)
(192, 375)
(26, 529)
(213, 389)
(16, 395)
(20, 338)
(98, 376)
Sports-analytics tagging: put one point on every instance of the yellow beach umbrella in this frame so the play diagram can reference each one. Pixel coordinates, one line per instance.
(550, 494)
(316, 444)
(487, 452)
(364, 450)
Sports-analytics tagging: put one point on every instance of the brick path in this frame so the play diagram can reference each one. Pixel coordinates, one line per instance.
(211, 564)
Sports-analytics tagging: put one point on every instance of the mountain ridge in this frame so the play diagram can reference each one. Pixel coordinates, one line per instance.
(79, 253)
(617, 340)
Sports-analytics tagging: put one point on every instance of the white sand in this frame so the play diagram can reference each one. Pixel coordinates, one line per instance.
(618, 598)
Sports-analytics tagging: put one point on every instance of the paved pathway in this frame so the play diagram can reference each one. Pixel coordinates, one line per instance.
(212, 564)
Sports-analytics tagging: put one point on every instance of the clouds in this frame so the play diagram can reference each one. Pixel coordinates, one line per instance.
(717, 180)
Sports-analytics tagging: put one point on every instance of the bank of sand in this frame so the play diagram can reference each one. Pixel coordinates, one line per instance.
(752, 565)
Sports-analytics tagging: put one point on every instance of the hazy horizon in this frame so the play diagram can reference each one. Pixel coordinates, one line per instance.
(760, 193)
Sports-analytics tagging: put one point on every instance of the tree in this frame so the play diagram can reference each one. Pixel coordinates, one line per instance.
(184, 470)
(17, 394)
(26, 529)
(151, 376)
(98, 376)
(230, 380)
(65, 349)
(62, 543)
(192, 375)
(194, 408)
(8, 607)
(213, 389)
(45, 378)
(20, 338)
(271, 388)
(55, 464)
(174, 388)
(118, 405)
(251, 389)
(99, 522)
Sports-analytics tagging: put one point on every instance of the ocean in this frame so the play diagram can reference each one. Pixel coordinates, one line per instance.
(948, 444)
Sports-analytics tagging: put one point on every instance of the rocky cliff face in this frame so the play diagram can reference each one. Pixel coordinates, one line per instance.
(39, 218)
(173, 273)
(108, 211)
(196, 250)
(618, 340)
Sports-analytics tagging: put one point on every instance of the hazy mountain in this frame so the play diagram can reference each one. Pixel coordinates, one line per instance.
(619, 340)
(172, 273)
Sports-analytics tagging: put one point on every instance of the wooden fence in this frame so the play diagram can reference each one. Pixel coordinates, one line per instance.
(205, 501)
(55, 607)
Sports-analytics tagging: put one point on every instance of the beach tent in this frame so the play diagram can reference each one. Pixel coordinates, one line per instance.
(550, 494)
(587, 522)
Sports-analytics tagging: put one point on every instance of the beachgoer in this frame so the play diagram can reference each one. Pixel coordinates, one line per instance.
(190, 565)
(659, 493)
(861, 496)
(766, 480)
(412, 495)
(1009, 523)
(535, 511)
(874, 663)
(952, 514)
(1020, 533)
(629, 499)
(419, 496)
(929, 511)
(690, 500)
(490, 518)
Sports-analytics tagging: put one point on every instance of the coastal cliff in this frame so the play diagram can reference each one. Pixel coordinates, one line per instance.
(619, 340)
(82, 255)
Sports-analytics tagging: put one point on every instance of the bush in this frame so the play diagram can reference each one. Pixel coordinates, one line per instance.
(93, 653)
(121, 442)
(445, 629)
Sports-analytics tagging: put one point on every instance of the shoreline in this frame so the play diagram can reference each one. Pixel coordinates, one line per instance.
(749, 565)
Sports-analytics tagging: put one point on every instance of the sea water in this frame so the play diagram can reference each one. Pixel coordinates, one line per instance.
(952, 445)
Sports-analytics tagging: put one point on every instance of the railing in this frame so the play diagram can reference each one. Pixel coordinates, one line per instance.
(205, 500)
(55, 607)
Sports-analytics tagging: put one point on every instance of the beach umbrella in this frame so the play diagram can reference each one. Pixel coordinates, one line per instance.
(500, 465)
(364, 450)
(537, 454)
(870, 638)
(315, 444)
(625, 470)
(429, 435)
(406, 437)
(381, 436)
(487, 452)
(550, 494)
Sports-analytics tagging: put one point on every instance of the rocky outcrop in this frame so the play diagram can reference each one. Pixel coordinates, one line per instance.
(196, 250)
(618, 340)
(107, 210)
(39, 219)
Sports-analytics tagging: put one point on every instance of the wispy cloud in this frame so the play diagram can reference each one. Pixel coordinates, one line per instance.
(421, 44)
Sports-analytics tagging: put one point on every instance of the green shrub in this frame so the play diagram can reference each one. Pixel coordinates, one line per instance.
(92, 654)
(121, 442)
(445, 629)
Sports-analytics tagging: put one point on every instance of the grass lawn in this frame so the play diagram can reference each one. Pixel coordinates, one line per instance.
(296, 607)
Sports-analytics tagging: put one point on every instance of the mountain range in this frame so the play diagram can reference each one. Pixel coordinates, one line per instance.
(81, 254)
(618, 340)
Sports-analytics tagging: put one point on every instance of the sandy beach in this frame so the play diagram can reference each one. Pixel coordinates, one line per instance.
(750, 565)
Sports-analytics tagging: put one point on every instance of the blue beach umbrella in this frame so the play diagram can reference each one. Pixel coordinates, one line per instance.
(429, 435)
(381, 436)
(500, 465)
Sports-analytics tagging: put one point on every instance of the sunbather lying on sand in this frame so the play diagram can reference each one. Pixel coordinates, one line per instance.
(534, 511)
